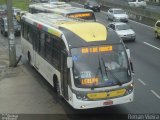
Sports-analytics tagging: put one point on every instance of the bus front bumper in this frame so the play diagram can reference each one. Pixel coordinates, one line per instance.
(80, 104)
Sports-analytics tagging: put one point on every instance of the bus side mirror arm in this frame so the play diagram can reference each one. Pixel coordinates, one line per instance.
(69, 62)
(130, 62)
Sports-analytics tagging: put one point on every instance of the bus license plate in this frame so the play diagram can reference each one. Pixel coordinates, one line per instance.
(110, 102)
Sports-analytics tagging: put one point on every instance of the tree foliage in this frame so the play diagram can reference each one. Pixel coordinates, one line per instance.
(2, 1)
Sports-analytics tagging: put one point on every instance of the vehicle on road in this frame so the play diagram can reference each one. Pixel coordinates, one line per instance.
(3, 13)
(157, 29)
(43, 1)
(4, 26)
(86, 63)
(55, 2)
(93, 5)
(63, 9)
(15, 11)
(123, 30)
(137, 3)
(3, 7)
(117, 14)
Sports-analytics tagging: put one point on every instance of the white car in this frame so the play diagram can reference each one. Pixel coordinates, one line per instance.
(15, 11)
(137, 3)
(116, 14)
(123, 30)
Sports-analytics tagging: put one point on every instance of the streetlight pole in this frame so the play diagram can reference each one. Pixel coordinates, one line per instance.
(11, 37)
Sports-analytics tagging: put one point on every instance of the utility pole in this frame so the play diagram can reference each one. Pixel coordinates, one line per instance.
(11, 37)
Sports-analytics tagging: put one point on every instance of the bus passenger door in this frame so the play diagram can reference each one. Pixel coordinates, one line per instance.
(36, 44)
(64, 74)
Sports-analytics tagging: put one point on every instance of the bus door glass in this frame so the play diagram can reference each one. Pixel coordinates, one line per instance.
(64, 75)
(35, 41)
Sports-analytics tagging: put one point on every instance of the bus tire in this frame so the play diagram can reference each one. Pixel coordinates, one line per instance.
(29, 57)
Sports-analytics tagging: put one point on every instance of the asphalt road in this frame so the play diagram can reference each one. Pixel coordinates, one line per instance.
(145, 53)
(153, 8)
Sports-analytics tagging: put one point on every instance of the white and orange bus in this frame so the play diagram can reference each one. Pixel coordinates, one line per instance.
(85, 62)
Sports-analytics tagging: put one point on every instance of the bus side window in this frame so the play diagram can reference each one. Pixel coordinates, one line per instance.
(22, 25)
(25, 31)
(29, 34)
(48, 47)
(42, 44)
(56, 52)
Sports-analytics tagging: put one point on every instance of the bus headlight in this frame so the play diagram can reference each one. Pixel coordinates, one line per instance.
(129, 89)
(81, 97)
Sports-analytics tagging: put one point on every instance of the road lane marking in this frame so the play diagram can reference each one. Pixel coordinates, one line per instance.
(141, 81)
(151, 45)
(155, 94)
(141, 24)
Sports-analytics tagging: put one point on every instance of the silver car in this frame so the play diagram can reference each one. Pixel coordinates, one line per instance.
(4, 26)
(116, 14)
(123, 30)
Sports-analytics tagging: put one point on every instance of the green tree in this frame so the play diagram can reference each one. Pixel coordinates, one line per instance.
(2, 1)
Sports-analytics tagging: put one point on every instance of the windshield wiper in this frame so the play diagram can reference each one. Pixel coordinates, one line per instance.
(106, 70)
(104, 67)
(99, 68)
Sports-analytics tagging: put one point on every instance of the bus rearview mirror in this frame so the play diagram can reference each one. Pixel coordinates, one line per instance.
(69, 62)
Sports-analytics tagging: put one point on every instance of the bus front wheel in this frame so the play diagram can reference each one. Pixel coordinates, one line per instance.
(56, 86)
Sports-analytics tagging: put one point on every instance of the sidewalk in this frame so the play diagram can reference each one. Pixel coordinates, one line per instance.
(22, 89)
(4, 61)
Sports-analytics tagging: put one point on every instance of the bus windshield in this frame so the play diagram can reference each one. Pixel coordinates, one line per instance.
(84, 15)
(100, 66)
